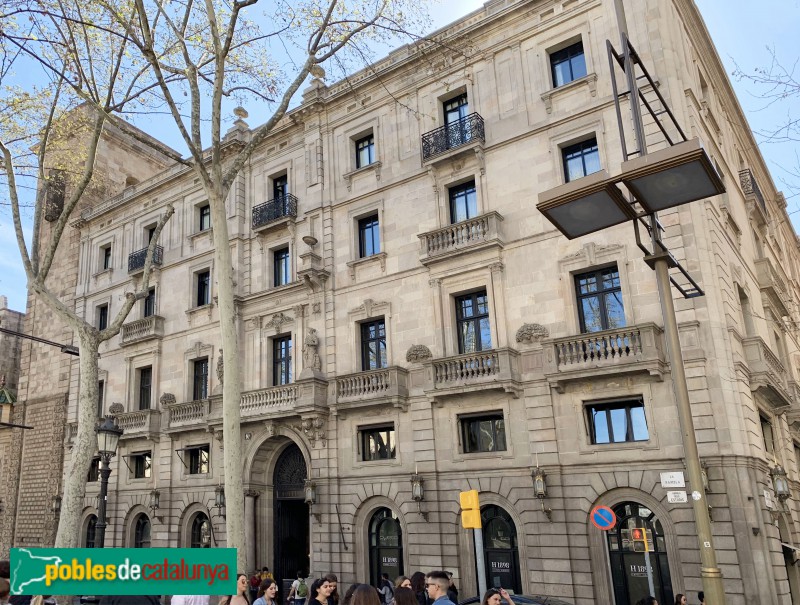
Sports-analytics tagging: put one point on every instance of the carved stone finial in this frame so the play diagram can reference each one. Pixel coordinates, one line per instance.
(116, 408)
(418, 353)
(530, 333)
(167, 398)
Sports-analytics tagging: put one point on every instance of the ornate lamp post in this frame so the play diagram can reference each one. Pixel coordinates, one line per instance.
(108, 434)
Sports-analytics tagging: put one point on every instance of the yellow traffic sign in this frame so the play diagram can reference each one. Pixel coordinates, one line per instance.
(470, 509)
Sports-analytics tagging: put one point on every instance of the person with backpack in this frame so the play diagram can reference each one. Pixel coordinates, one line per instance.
(386, 590)
(299, 590)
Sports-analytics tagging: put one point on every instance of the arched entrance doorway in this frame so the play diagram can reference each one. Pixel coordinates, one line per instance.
(141, 532)
(90, 533)
(291, 543)
(501, 552)
(628, 568)
(385, 546)
(200, 534)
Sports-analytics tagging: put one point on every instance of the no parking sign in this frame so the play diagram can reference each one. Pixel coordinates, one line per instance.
(603, 518)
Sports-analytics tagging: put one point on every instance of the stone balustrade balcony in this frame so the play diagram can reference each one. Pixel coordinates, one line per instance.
(142, 329)
(494, 369)
(773, 284)
(768, 375)
(188, 414)
(271, 399)
(476, 233)
(628, 350)
(136, 259)
(139, 423)
(373, 387)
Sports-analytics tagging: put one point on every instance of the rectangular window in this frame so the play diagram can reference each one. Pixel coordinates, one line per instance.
(767, 435)
(600, 300)
(101, 387)
(280, 186)
(203, 291)
(485, 433)
(580, 159)
(205, 217)
(617, 422)
(106, 256)
(378, 443)
(456, 109)
(142, 465)
(151, 231)
(200, 379)
(150, 303)
(458, 131)
(281, 267)
(472, 317)
(373, 345)
(102, 317)
(145, 384)
(365, 151)
(568, 64)
(281, 360)
(463, 202)
(94, 470)
(369, 237)
(198, 460)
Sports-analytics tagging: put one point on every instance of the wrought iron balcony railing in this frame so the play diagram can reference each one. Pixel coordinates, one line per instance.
(136, 259)
(466, 130)
(280, 207)
(750, 187)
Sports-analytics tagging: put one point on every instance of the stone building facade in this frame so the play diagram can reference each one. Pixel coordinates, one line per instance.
(409, 320)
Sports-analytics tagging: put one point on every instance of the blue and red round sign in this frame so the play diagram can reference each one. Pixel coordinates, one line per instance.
(603, 518)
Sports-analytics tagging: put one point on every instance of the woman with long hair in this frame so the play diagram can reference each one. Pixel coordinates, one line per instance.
(334, 582)
(320, 591)
(241, 597)
(680, 599)
(364, 594)
(402, 581)
(496, 596)
(418, 586)
(348, 596)
(266, 593)
(404, 596)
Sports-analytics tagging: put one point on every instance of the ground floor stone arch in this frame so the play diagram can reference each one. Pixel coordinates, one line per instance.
(195, 528)
(137, 534)
(88, 528)
(380, 531)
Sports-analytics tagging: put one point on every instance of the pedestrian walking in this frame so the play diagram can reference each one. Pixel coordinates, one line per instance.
(299, 589)
(320, 591)
(348, 596)
(364, 594)
(452, 592)
(385, 590)
(266, 574)
(266, 593)
(418, 586)
(680, 599)
(192, 599)
(648, 600)
(495, 596)
(402, 581)
(701, 597)
(403, 595)
(242, 594)
(436, 584)
(334, 582)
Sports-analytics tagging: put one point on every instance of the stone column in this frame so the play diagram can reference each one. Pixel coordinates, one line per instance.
(250, 528)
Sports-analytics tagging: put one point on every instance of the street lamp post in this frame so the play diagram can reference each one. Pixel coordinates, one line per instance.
(108, 435)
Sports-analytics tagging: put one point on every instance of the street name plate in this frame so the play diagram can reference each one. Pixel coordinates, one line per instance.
(677, 497)
(673, 479)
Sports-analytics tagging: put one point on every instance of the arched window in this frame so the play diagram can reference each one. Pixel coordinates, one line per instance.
(629, 569)
(141, 535)
(91, 531)
(201, 532)
(500, 549)
(385, 545)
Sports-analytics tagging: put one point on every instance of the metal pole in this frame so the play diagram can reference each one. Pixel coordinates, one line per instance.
(100, 527)
(650, 585)
(480, 561)
(710, 573)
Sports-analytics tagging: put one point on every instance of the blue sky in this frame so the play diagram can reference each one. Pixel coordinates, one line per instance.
(742, 36)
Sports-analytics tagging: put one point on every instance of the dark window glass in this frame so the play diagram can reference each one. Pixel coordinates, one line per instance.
(463, 202)
(91, 530)
(568, 64)
(205, 218)
(94, 471)
(142, 465)
(107, 257)
(385, 546)
(617, 422)
(458, 129)
(369, 237)
(200, 379)
(198, 460)
(201, 532)
(280, 186)
(365, 151)
(150, 303)
(203, 288)
(378, 443)
(151, 231)
(580, 159)
(483, 433)
(102, 317)
(101, 387)
(456, 109)
(600, 300)
(145, 383)
(141, 535)
(281, 268)
(472, 316)
(373, 345)
(766, 434)
(281, 360)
